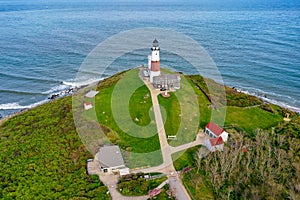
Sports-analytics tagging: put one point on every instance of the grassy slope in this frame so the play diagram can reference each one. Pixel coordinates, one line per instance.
(134, 146)
(243, 112)
(42, 156)
(249, 119)
(197, 186)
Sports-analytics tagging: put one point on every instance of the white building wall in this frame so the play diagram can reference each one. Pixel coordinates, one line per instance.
(149, 62)
(224, 136)
(208, 145)
(155, 55)
(152, 74)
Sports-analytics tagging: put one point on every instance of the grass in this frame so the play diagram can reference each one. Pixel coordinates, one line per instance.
(182, 114)
(204, 109)
(139, 106)
(184, 158)
(173, 111)
(250, 119)
(117, 106)
(121, 99)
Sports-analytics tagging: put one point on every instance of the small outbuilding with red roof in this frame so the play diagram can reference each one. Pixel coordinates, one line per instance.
(217, 137)
(214, 144)
(214, 131)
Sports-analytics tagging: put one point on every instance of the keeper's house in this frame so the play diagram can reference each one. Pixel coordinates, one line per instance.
(168, 81)
(111, 160)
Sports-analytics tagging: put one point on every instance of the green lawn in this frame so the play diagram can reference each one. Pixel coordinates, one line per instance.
(185, 158)
(205, 111)
(123, 103)
(249, 119)
(140, 106)
(172, 113)
(182, 114)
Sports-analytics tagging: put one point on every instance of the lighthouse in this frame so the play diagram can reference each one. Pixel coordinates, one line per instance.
(155, 61)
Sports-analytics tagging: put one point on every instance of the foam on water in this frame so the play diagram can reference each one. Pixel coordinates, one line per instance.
(270, 100)
(17, 106)
(57, 88)
(81, 83)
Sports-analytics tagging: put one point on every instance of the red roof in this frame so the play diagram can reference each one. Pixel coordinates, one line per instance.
(216, 141)
(88, 103)
(214, 128)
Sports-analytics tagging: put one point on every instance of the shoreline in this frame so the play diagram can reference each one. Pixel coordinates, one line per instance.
(72, 90)
(68, 92)
(271, 101)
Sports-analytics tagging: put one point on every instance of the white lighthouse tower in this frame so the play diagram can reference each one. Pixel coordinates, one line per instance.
(155, 61)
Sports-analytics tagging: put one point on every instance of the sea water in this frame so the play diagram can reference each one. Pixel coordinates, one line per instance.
(255, 45)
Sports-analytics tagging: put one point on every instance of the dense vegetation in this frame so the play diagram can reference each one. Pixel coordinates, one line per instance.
(42, 156)
(260, 168)
(166, 193)
(137, 185)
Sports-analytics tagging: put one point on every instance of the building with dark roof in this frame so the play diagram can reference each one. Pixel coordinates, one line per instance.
(168, 81)
(110, 159)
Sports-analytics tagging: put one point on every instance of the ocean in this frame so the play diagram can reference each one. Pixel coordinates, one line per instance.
(255, 45)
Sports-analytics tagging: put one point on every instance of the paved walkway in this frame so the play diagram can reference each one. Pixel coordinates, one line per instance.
(199, 140)
(167, 167)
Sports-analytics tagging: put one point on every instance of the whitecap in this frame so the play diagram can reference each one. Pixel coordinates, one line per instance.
(56, 88)
(17, 106)
(81, 83)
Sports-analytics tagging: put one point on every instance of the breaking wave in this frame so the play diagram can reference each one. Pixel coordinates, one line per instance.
(17, 106)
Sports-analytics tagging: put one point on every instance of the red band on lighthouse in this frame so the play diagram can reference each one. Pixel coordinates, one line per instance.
(155, 66)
